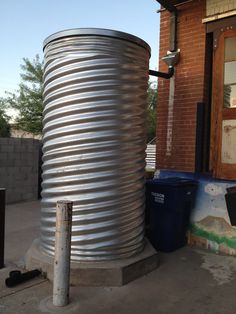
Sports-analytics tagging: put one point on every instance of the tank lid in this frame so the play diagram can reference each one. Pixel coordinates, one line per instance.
(96, 32)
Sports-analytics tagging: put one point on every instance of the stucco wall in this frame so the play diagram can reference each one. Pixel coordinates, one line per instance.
(19, 168)
(211, 226)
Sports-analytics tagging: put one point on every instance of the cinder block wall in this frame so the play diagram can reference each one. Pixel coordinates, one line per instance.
(189, 89)
(19, 159)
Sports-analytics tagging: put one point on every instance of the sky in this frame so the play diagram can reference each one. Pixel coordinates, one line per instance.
(25, 24)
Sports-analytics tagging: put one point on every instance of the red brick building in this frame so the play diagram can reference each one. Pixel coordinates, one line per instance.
(196, 125)
(196, 113)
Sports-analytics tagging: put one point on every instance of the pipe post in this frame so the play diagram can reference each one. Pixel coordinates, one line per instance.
(2, 226)
(61, 279)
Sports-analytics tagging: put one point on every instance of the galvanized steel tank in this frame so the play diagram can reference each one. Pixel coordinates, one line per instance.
(94, 140)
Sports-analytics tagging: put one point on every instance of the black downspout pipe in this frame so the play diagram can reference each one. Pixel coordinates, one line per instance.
(173, 22)
(168, 75)
(173, 35)
(16, 277)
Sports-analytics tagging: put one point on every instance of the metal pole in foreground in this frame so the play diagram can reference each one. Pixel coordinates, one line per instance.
(2, 226)
(61, 280)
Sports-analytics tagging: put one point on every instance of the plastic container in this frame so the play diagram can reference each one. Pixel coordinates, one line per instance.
(169, 203)
(230, 198)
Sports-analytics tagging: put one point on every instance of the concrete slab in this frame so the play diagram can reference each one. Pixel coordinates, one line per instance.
(108, 273)
(21, 227)
(184, 283)
(187, 281)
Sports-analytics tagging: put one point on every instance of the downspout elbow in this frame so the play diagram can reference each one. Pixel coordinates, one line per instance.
(167, 75)
(172, 57)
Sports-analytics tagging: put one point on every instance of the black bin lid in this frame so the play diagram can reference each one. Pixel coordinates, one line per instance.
(173, 181)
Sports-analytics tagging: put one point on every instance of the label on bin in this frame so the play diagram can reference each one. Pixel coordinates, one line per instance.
(158, 197)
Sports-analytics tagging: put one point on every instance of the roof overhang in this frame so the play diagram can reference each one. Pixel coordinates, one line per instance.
(174, 2)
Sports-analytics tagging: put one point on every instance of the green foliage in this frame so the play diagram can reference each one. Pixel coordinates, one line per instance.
(151, 120)
(28, 100)
(4, 125)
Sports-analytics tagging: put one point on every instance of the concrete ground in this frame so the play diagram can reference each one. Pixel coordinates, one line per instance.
(188, 281)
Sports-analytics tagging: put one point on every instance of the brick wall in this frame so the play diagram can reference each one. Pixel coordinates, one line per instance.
(19, 168)
(189, 88)
(219, 6)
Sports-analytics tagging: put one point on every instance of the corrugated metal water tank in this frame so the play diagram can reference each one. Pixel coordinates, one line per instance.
(94, 140)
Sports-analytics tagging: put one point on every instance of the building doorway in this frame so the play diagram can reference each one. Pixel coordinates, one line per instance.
(223, 135)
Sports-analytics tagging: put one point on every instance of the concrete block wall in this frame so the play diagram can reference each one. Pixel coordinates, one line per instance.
(176, 124)
(19, 158)
(219, 6)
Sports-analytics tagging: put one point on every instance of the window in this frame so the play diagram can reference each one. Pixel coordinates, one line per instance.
(230, 73)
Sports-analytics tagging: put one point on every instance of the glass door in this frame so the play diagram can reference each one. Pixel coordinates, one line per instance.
(223, 152)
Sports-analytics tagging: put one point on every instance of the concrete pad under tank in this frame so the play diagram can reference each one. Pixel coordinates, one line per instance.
(108, 273)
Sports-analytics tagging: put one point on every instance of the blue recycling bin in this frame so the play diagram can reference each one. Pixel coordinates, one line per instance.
(169, 202)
